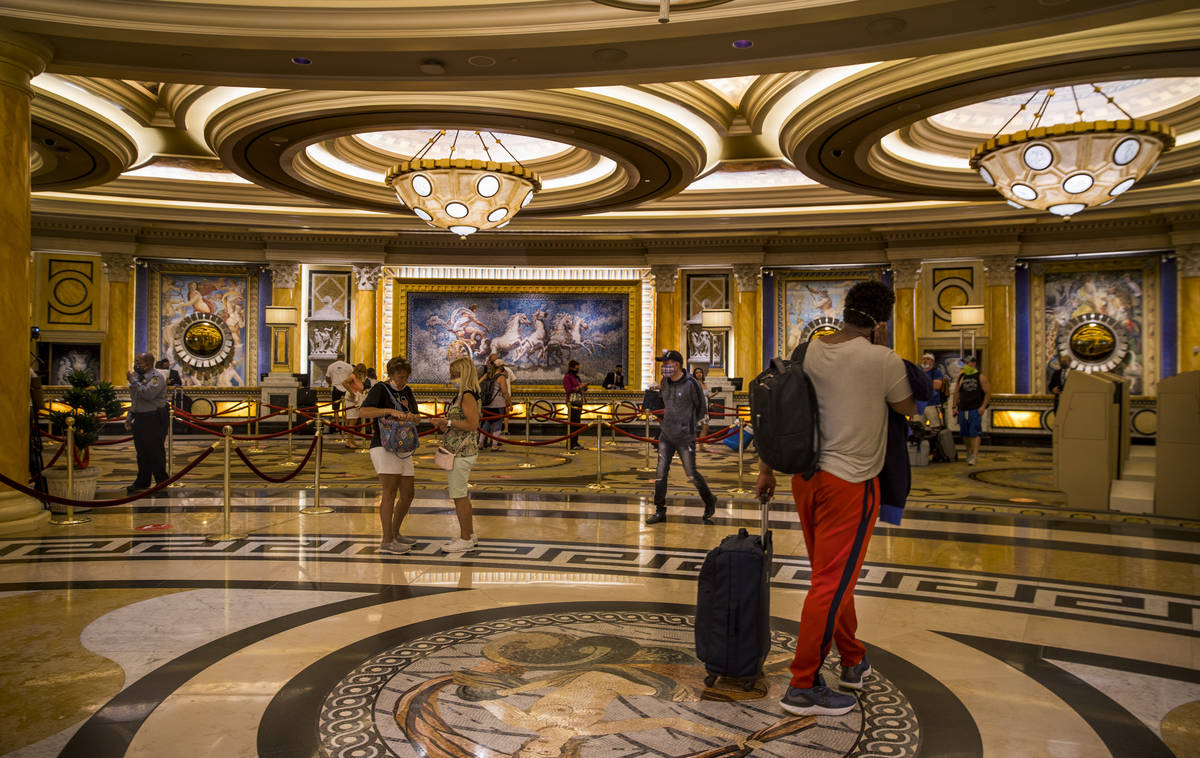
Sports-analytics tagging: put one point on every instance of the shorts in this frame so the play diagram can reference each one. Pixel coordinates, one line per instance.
(387, 462)
(458, 476)
(970, 423)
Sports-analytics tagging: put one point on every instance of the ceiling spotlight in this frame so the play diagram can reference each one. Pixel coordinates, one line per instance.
(300, 60)
(742, 44)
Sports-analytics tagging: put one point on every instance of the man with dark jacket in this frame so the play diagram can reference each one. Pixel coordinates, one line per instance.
(683, 407)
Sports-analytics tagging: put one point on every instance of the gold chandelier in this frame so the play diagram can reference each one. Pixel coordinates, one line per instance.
(459, 195)
(1066, 168)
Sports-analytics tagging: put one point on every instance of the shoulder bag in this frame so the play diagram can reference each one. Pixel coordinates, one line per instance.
(396, 436)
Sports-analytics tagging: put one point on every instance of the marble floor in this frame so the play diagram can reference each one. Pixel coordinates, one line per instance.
(997, 631)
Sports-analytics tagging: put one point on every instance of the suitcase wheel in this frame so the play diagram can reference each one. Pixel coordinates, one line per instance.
(710, 680)
(748, 684)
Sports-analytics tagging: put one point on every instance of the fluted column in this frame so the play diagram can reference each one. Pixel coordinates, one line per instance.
(118, 335)
(285, 291)
(747, 320)
(905, 275)
(21, 58)
(1001, 322)
(666, 308)
(1188, 260)
(363, 345)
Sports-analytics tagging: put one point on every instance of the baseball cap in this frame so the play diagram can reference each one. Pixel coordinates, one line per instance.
(670, 355)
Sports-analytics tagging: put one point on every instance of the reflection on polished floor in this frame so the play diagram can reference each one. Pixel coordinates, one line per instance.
(567, 632)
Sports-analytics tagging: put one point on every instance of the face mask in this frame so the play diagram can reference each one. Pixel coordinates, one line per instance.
(668, 371)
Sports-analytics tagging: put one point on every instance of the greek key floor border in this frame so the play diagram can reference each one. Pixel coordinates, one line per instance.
(1178, 614)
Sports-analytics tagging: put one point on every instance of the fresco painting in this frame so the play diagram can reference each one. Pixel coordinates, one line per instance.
(222, 296)
(536, 334)
(1116, 294)
(806, 301)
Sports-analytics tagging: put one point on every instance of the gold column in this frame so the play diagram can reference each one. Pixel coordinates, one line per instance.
(905, 275)
(21, 58)
(1188, 261)
(363, 342)
(286, 291)
(117, 346)
(1001, 322)
(747, 320)
(666, 309)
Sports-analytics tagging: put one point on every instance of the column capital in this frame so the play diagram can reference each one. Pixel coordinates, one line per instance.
(664, 275)
(748, 276)
(906, 273)
(998, 270)
(117, 266)
(366, 275)
(22, 57)
(1187, 259)
(284, 275)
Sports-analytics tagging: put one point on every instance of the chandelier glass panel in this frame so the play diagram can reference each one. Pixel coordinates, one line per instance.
(1066, 168)
(463, 196)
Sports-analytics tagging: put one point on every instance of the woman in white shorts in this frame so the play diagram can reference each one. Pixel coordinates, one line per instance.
(461, 437)
(392, 398)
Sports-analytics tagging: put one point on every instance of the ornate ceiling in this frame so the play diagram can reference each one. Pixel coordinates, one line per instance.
(748, 116)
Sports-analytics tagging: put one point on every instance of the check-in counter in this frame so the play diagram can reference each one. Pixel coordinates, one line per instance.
(1178, 446)
(1091, 438)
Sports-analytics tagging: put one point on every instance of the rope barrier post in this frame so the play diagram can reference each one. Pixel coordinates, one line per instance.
(612, 412)
(316, 509)
(171, 445)
(227, 535)
(740, 489)
(254, 448)
(70, 519)
(528, 413)
(599, 483)
(291, 422)
(646, 467)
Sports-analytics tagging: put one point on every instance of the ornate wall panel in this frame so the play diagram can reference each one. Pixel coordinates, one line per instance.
(536, 328)
(202, 318)
(810, 302)
(945, 286)
(706, 291)
(1104, 313)
(68, 293)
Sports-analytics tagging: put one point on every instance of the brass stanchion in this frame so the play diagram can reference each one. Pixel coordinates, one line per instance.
(646, 467)
(70, 519)
(599, 483)
(171, 446)
(612, 438)
(527, 463)
(291, 421)
(740, 489)
(316, 509)
(227, 535)
(254, 448)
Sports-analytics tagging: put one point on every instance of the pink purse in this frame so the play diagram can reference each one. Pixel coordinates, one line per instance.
(444, 458)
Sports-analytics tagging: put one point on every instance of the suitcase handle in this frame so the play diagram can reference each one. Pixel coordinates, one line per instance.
(765, 502)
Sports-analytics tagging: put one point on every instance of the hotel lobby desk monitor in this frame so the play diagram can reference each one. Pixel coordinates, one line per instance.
(1178, 446)
(1091, 434)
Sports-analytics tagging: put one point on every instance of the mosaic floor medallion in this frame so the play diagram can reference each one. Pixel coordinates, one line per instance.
(589, 685)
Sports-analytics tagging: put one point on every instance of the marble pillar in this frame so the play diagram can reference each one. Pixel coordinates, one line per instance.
(905, 274)
(364, 347)
(666, 310)
(21, 58)
(117, 346)
(285, 291)
(747, 321)
(1000, 367)
(1188, 261)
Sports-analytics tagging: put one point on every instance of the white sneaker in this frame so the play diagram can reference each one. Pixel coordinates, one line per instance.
(970, 460)
(396, 548)
(459, 545)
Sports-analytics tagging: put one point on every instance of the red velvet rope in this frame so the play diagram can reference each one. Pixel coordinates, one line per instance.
(243, 437)
(47, 497)
(276, 480)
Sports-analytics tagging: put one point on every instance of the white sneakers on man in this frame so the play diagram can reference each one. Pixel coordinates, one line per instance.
(459, 545)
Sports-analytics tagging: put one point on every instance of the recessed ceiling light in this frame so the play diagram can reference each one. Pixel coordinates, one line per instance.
(482, 61)
(433, 67)
(300, 60)
(742, 44)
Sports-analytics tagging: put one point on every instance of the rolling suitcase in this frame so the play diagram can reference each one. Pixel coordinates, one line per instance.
(733, 606)
(945, 446)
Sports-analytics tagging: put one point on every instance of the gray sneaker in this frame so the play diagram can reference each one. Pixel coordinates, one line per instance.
(396, 548)
(853, 676)
(817, 701)
(402, 539)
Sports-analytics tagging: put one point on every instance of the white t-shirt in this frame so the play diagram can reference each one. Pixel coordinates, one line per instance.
(854, 382)
(338, 372)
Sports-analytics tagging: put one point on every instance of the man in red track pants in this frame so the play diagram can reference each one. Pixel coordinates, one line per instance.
(856, 379)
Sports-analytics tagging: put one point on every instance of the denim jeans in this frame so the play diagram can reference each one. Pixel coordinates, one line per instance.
(687, 456)
(494, 427)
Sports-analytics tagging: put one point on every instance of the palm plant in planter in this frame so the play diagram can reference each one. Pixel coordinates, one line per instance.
(91, 404)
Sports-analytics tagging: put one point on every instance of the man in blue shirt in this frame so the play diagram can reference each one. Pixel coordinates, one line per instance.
(938, 378)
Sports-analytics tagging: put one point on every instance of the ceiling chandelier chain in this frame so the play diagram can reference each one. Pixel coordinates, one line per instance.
(1066, 168)
(459, 195)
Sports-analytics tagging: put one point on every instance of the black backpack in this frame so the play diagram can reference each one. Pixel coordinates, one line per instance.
(487, 389)
(783, 410)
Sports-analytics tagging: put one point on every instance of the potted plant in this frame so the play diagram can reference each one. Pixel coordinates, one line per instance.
(91, 404)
